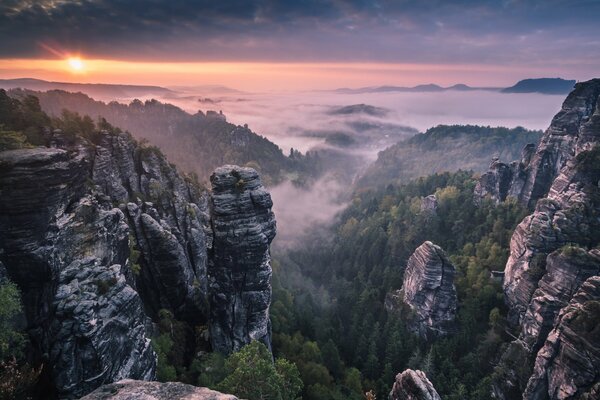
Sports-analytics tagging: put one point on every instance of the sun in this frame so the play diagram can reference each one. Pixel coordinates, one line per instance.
(76, 64)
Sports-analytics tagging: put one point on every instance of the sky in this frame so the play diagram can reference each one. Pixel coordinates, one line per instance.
(299, 44)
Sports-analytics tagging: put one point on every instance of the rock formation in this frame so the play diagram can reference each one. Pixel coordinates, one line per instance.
(568, 365)
(100, 236)
(554, 250)
(128, 389)
(429, 204)
(428, 290)
(240, 264)
(573, 129)
(413, 385)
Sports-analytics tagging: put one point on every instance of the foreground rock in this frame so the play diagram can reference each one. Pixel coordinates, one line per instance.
(240, 263)
(101, 236)
(552, 252)
(572, 130)
(137, 390)
(428, 290)
(413, 385)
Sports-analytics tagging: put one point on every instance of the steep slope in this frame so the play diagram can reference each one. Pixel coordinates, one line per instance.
(196, 143)
(553, 250)
(240, 263)
(428, 290)
(567, 367)
(573, 129)
(100, 234)
(445, 148)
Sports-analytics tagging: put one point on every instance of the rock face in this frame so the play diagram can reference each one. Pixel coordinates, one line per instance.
(568, 365)
(428, 290)
(101, 236)
(572, 130)
(133, 390)
(240, 263)
(413, 385)
(552, 252)
(429, 204)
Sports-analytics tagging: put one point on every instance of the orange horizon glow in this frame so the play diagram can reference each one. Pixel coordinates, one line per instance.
(262, 76)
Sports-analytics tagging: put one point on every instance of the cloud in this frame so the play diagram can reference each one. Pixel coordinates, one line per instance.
(490, 31)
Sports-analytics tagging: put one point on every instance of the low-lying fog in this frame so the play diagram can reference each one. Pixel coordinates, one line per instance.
(318, 120)
(284, 117)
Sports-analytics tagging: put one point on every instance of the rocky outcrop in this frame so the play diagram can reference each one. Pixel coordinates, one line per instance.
(413, 385)
(428, 291)
(554, 250)
(67, 252)
(100, 236)
(240, 263)
(429, 204)
(132, 390)
(568, 365)
(573, 129)
(503, 180)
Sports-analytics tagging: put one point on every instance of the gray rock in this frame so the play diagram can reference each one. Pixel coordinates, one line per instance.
(240, 262)
(413, 385)
(573, 130)
(429, 204)
(428, 290)
(568, 365)
(100, 237)
(138, 390)
(553, 251)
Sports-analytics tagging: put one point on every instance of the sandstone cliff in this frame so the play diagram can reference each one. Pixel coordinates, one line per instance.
(572, 130)
(239, 267)
(554, 250)
(428, 291)
(102, 233)
(413, 385)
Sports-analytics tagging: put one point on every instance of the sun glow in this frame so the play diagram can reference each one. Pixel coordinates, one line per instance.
(76, 64)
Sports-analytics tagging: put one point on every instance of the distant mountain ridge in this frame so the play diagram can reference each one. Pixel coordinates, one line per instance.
(542, 85)
(97, 90)
(532, 85)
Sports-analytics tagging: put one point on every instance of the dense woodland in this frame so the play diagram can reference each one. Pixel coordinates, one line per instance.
(446, 148)
(332, 337)
(343, 340)
(197, 143)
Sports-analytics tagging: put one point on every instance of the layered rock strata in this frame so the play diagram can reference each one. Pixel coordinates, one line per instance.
(240, 262)
(102, 233)
(428, 290)
(413, 385)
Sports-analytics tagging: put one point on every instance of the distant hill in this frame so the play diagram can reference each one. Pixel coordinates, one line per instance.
(445, 148)
(359, 109)
(542, 85)
(96, 90)
(414, 89)
(196, 143)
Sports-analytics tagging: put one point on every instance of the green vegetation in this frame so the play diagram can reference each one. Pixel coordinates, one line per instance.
(17, 378)
(446, 148)
(345, 343)
(250, 373)
(196, 143)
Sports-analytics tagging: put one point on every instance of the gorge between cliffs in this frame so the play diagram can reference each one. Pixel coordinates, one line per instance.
(138, 281)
